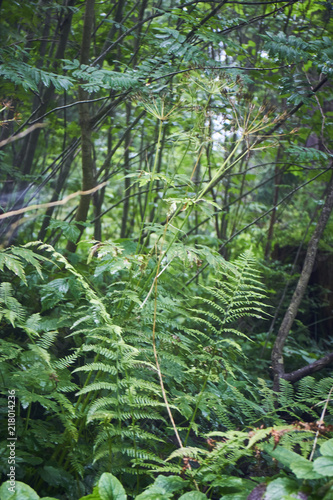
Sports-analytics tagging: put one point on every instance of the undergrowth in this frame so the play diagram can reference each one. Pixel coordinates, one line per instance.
(124, 373)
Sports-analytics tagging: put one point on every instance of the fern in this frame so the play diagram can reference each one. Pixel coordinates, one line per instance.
(9, 350)
(239, 292)
(10, 308)
(60, 364)
(15, 258)
(112, 393)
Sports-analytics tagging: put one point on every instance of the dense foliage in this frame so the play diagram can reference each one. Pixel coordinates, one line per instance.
(166, 252)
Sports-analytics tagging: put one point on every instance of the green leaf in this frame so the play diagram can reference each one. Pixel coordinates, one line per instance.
(286, 457)
(153, 494)
(327, 448)
(93, 496)
(110, 488)
(280, 488)
(324, 466)
(304, 154)
(20, 491)
(70, 231)
(170, 483)
(236, 483)
(13, 264)
(236, 496)
(193, 495)
(303, 469)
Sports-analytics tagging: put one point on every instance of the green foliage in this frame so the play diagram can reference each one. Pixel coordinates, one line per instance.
(136, 323)
(30, 78)
(303, 154)
(112, 391)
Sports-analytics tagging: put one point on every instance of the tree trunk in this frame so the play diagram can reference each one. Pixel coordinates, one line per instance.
(24, 159)
(277, 352)
(127, 180)
(85, 124)
(277, 182)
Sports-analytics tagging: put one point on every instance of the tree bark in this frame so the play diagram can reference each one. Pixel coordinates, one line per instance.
(309, 369)
(277, 182)
(127, 181)
(85, 125)
(25, 158)
(290, 315)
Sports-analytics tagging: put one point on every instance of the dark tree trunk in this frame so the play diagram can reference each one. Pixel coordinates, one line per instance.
(85, 124)
(277, 182)
(290, 315)
(127, 180)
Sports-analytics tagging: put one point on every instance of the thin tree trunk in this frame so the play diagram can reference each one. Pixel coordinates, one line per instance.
(277, 352)
(98, 197)
(277, 182)
(127, 180)
(24, 159)
(64, 171)
(85, 124)
(29, 148)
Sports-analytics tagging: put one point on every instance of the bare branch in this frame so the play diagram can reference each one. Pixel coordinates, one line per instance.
(52, 203)
(309, 369)
(21, 134)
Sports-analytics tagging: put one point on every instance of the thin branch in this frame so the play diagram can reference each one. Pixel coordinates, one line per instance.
(160, 376)
(291, 313)
(119, 39)
(241, 68)
(52, 203)
(308, 369)
(21, 134)
(259, 18)
(59, 108)
(257, 3)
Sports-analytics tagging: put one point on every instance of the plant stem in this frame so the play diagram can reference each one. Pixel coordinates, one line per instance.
(321, 421)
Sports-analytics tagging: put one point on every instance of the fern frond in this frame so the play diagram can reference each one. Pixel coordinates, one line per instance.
(42, 353)
(188, 451)
(47, 340)
(67, 387)
(10, 308)
(14, 264)
(65, 403)
(27, 397)
(90, 367)
(63, 363)
(98, 386)
(120, 415)
(8, 350)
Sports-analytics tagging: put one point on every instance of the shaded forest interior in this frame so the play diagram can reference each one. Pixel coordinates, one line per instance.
(166, 249)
